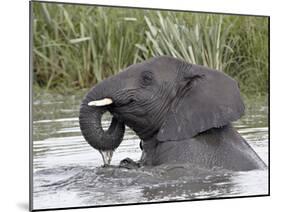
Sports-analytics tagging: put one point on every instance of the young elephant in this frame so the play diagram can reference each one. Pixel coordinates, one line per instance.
(181, 112)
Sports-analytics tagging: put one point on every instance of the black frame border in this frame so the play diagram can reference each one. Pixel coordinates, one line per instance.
(31, 103)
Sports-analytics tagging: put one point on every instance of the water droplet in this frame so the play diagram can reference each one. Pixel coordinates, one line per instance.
(106, 156)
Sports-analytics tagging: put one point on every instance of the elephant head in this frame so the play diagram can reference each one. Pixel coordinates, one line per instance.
(162, 98)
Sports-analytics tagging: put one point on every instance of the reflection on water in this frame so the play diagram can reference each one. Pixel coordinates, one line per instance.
(68, 172)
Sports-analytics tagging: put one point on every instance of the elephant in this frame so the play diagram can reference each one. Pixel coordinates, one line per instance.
(181, 112)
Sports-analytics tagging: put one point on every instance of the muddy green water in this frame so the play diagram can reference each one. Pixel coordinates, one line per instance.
(67, 172)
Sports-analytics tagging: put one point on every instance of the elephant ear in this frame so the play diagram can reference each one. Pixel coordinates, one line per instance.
(205, 99)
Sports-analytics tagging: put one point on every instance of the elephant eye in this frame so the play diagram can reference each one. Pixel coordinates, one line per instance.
(146, 78)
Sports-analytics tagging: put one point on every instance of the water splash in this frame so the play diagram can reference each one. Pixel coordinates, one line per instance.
(106, 156)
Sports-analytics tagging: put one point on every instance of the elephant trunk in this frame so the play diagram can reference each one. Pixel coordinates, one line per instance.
(91, 127)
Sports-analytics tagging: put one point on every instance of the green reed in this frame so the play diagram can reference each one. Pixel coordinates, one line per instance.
(78, 46)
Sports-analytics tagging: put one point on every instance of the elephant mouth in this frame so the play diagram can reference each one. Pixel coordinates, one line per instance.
(120, 110)
(127, 112)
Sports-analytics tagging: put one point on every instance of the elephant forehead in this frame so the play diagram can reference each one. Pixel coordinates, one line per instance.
(161, 69)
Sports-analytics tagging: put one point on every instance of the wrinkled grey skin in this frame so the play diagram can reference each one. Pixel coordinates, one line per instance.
(181, 112)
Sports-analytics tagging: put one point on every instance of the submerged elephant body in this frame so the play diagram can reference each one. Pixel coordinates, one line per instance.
(215, 148)
(181, 112)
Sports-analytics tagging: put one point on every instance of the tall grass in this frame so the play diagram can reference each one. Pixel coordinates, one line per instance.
(251, 62)
(78, 46)
(204, 42)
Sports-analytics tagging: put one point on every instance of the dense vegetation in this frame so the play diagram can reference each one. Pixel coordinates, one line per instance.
(76, 46)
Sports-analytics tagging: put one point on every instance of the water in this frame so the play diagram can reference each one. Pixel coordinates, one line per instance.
(68, 173)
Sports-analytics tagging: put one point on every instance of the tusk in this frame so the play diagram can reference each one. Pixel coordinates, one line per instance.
(102, 102)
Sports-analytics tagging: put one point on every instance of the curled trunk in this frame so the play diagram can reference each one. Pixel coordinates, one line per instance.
(91, 128)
